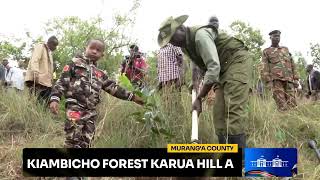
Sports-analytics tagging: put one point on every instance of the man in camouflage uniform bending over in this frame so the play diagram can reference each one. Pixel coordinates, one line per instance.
(279, 73)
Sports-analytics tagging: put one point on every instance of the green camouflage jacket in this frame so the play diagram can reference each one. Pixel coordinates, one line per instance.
(81, 83)
(278, 65)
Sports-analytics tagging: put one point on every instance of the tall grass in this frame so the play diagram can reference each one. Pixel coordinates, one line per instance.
(24, 123)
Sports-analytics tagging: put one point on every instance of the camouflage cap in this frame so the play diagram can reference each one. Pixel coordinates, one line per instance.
(275, 32)
(168, 28)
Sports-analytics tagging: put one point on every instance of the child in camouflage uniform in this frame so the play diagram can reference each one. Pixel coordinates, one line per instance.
(81, 83)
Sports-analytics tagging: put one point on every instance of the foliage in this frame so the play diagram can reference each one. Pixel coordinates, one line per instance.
(152, 70)
(251, 37)
(315, 54)
(253, 40)
(9, 50)
(73, 34)
(301, 65)
(150, 116)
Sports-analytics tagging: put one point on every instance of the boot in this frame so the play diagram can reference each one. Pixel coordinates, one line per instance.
(241, 141)
(238, 139)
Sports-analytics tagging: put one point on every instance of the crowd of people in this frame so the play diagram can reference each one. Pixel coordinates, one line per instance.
(11, 76)
(220, 64)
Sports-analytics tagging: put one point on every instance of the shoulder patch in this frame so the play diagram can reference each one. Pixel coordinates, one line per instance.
(98, 73)
(66, 68)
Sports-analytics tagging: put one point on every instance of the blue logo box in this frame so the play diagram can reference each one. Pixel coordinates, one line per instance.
(270, 162)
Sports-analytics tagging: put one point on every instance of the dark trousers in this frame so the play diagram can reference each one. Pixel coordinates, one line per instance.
(42, 92)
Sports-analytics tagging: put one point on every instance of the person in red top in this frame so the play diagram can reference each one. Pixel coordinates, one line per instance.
(135, 67)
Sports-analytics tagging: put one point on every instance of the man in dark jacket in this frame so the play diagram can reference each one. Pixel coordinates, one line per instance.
(313, 82)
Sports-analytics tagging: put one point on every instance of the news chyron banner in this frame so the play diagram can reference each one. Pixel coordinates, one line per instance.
(177, 160)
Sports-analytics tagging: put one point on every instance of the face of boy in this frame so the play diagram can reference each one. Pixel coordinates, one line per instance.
(95, 50)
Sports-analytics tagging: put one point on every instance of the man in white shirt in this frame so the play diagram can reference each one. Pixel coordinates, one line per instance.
(14, 77)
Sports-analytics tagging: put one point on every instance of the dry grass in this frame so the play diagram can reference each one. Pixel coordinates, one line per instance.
(24, 124)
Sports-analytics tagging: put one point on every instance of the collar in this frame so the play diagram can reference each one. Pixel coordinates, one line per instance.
(46, 46)
(279, 47)
(83, 61)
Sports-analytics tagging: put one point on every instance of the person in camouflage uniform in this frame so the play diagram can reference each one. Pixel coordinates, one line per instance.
(81, 83)
(226, 62)
(279, 73)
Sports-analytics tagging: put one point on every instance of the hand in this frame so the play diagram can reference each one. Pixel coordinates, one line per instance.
(138, 100)
(197, 105)
(54, 107)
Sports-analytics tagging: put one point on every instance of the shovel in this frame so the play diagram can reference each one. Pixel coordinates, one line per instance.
(194, 129)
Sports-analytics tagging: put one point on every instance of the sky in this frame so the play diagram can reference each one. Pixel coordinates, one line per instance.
(297, 20)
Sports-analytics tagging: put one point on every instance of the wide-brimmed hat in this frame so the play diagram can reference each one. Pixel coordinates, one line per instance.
(168, 28)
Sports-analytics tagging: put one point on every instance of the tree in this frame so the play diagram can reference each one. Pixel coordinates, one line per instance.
(73, 34)
(315, 54)
(301, 64)
(253, 40)
(10, 51)
(251, 37)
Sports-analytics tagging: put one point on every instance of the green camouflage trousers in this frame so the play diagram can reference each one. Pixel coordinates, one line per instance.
(231, 97)
(284, 94)
(79, 128)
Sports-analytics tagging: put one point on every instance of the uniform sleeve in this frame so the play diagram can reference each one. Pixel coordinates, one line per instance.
(115, 90)
(206, 48)
(266, 75)
(61, 85)
(36, 57)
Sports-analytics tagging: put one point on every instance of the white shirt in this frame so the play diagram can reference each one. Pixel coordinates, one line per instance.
(16, 77)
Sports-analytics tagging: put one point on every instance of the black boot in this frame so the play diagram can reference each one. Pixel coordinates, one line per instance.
(241, 141)
(238, 139)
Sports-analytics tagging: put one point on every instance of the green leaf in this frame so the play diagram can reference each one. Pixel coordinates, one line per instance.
(125, 82)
